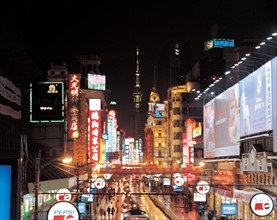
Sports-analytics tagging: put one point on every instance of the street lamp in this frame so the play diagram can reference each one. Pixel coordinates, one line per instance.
(38, 168)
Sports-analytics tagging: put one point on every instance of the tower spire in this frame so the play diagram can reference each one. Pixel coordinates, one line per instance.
(137, 93)
(154, 86)
(137, 70)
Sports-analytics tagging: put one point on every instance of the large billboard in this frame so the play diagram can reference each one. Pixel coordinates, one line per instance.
(227, 123)
(47, 102)
(242, 110)
(274, 102)
(209, 128)
(256, 102)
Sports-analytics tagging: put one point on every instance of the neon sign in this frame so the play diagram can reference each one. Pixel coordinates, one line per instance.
(218, 43)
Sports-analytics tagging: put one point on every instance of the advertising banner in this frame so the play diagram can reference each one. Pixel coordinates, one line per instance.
(227, 123)
(256, 102)
(244, 109)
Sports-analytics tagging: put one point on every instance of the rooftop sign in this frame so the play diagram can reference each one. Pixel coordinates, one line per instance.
(218, 43)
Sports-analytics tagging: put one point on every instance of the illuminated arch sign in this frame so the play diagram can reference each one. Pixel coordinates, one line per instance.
(218, 43)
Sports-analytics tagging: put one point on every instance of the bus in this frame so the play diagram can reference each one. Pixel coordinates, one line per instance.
(135, 214)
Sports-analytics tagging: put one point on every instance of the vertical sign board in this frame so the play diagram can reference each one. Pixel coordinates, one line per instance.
(111, 128)
(5, 191)
(94, 130)
(73, 105)
(47, 102)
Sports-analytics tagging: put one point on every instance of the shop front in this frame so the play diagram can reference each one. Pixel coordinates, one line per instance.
(243, 198)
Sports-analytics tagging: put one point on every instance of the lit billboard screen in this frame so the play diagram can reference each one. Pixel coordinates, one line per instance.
(242, 110)
(47, 102)
(256, 102)
(274, 102)
(96, 81)
(227, 123)
(159, 110)
(209, 128)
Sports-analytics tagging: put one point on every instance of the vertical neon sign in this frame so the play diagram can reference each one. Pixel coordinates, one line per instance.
(74, 105)
(94, 130)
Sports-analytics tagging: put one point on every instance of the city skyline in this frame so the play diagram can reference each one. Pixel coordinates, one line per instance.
(59, 32)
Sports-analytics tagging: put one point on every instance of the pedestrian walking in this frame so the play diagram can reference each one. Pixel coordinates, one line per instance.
(112, 211)
(109, 210)
(210, 215)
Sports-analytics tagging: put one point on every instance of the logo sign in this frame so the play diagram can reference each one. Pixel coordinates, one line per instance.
(219, 43)
(177, 188)
(105, 136)
(197, 197)
(179, 181)
(202, 187)
(63, 195)
(229, 209)
(107, 176)
(166, 182)
(99, 183)
(261, 204)
(63, 210)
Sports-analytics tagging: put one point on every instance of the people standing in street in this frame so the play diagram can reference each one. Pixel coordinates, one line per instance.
(112, 211)
(109, 210)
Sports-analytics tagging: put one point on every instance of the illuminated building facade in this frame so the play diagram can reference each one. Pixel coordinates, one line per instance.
(156, 150)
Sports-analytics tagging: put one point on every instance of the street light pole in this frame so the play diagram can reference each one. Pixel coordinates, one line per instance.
(213, 182)
(37, 182)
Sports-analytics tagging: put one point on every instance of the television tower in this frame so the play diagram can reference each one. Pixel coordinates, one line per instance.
(137, 94)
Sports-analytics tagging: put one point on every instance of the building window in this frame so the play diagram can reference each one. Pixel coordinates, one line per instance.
(177, 123)
(177, 135)
(176, 111)
(177, 148)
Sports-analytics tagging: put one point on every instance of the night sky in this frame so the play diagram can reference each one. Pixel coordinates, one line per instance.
(60, 31)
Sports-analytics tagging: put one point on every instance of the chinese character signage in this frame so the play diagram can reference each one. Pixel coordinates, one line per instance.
(229, 209)
(94, 130)
(74, 106)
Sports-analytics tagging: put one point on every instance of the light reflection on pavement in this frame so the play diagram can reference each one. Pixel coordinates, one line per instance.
(153, 212)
